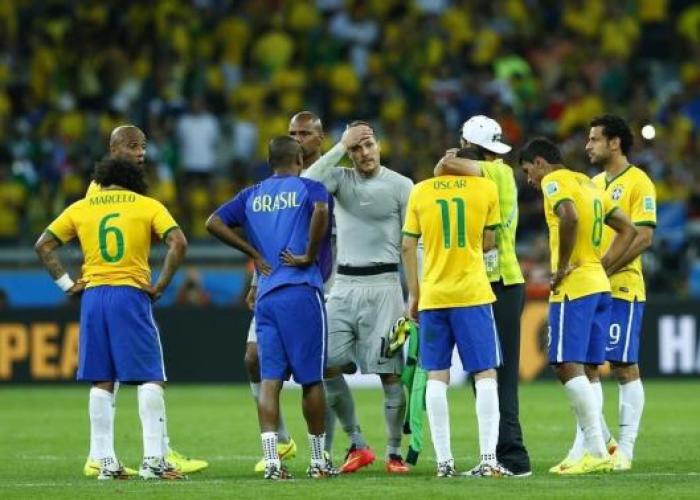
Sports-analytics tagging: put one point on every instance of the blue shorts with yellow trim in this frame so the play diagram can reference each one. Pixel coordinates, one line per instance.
(625, 331)
(578, 329)
(471, 328)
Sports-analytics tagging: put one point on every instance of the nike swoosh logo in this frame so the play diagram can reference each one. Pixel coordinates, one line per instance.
(365, 203)
(608, 349)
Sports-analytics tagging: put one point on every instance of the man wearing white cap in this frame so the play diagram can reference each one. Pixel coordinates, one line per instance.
(504, 274)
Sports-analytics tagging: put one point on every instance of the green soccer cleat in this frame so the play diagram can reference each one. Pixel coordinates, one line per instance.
(185, 465)
(621, 462)
(286, 451)
(564, 464)
(588, 465)
(92, 468)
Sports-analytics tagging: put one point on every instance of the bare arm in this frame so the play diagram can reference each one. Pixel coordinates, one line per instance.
(317, 230)
(177, 249)
(489, 240)
(409, 245)
(225, 234)
(627, 244)
(45, 248)
(568, 223)
(451, 165)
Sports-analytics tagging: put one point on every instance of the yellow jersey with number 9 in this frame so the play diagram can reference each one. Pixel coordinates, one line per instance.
(592, 208)
(634, 193)
(450, 213)
(115, 229)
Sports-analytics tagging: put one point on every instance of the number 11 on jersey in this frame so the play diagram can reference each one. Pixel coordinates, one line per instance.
(446, 222)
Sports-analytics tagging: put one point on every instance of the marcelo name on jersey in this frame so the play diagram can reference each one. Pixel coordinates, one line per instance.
(280, 201)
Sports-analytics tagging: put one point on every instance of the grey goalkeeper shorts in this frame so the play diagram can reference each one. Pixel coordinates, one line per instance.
(361, 311)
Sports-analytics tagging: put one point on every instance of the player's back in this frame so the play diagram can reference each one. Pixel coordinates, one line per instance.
(115, 229)
(278, 216)
(588, 275)
(452, 213)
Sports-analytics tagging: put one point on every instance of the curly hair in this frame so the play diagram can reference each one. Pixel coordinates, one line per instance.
(120, 172)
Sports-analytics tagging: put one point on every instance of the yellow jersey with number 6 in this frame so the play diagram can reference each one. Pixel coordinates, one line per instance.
(450, 214)
(592, 208)
(115, 228)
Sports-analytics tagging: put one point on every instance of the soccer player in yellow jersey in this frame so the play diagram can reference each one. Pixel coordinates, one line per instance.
(119, 339)
(456, 218)
(484, 134)
(629, 188)
(129, 142)
(579, 310)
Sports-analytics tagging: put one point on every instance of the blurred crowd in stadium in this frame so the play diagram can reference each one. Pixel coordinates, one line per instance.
(210, 81)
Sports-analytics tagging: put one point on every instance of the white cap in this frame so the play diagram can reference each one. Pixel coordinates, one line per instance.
(485, 132)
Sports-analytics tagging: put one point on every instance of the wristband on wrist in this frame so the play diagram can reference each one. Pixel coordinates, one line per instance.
(65, 282)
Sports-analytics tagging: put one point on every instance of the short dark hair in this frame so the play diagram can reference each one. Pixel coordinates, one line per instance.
(614, 126)
(120, 172)
(471, 152)
(357, 123)
(283, 151)
(542, 147)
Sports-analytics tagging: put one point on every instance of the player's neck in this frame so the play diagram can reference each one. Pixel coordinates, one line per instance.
(310, 160)
(616, 166)
(113, 187)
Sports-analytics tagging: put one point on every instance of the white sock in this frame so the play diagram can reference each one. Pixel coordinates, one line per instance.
(598, 393)
(317, 445)
(101, 424)
(166, 440)
(579, 447)
(438, 418)
(269, 445)
(152, 413)
(394, 413)
(583, 403)
(282, 434)
(488, 417)
(631, 407)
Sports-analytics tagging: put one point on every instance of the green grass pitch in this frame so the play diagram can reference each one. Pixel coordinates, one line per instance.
(44, 439)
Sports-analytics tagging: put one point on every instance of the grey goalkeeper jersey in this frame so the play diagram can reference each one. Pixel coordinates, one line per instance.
(369, 212)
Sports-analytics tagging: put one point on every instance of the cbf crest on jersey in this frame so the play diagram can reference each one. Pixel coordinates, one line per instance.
(616, 193)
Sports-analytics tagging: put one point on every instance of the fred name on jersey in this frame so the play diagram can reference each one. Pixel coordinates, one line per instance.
(449, 184)
(273, 203)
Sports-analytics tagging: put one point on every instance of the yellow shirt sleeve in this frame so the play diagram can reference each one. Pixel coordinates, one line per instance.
(493, 217)
(554, 192)
(163, 222)
(411, 226)
(643, 203)
(63, 228)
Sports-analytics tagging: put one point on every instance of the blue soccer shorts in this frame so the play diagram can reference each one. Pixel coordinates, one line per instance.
(292, 331)
(119, 339)
(578, 329)
(625, 331)
(472, 329)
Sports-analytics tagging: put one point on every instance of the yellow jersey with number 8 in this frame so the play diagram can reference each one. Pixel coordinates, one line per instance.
(115, 229)
(592, 208)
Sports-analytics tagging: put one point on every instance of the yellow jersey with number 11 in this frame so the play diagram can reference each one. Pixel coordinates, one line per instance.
(592, 208)
(450, 214)
(115, 227)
